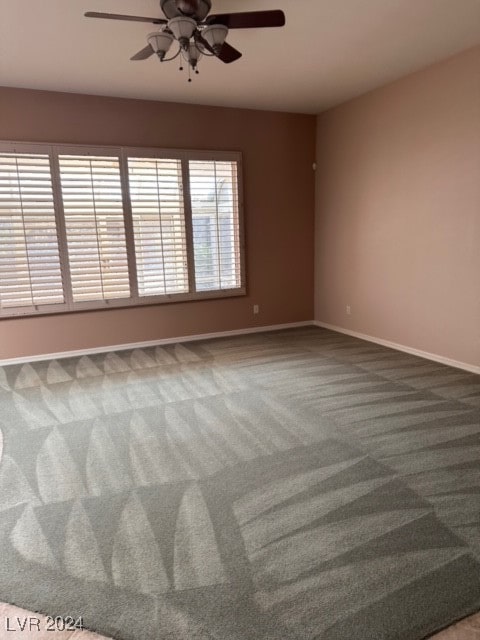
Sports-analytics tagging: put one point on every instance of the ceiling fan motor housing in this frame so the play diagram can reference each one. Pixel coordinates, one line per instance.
(173, 8)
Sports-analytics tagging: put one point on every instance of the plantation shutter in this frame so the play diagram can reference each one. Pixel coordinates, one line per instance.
(215, 222)
(30, 273)
(158, 218)
(85, 227)
(95, 228)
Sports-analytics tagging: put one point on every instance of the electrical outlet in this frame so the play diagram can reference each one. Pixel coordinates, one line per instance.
(256, 309)
(349, 310)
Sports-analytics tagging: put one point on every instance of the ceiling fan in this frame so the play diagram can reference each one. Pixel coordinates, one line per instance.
(196, 31)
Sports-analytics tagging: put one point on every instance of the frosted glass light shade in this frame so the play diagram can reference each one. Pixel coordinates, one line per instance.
(160, 41)
(215, 35)
(182, 28)
(192, 54)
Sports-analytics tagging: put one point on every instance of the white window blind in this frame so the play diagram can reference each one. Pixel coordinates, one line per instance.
(215, 221)
(95, 231)
(158, 218)
(30, 273)
(97, 227)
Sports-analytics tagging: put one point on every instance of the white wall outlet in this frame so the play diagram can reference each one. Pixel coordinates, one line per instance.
(256, 309)
(349, 310)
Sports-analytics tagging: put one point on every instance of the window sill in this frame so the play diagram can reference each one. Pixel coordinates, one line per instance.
(81, 307)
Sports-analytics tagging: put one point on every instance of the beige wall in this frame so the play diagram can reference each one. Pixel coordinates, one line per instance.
(398, 211)
(278, 151)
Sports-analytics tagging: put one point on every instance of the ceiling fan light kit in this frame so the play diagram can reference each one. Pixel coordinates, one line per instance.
(197, 32)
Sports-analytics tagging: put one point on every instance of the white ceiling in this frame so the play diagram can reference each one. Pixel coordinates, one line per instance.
(330, 50)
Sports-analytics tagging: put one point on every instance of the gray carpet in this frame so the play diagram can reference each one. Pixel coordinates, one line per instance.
(295, 485)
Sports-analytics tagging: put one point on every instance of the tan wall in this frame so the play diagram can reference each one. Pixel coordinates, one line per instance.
(398, 211)
(278, 151)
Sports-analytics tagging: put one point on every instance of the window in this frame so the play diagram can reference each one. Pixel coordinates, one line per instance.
(215, 224)
(30, 271)
(156, 194)
(95, 232)
(84, 228)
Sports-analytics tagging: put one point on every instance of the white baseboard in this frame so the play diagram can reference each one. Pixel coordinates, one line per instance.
(400, 347)
(239, 332)
(153, 343)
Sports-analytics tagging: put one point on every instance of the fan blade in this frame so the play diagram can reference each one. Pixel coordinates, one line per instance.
(248, 19)
(229, 54)
(119, 16)
(144, 53)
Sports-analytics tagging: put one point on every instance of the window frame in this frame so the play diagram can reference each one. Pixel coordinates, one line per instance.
(123, 153)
